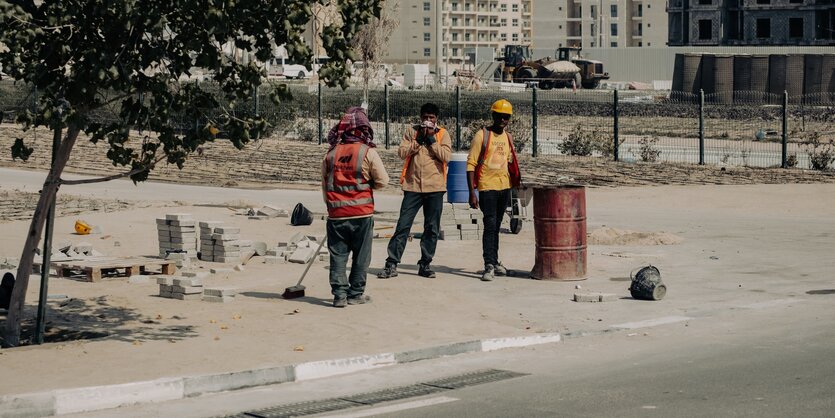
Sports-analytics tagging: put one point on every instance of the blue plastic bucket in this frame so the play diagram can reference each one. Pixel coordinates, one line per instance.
(456, 179)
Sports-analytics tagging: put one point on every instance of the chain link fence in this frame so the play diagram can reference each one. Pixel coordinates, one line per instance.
(734, 129)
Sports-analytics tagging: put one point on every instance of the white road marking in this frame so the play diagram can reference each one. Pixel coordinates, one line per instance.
(653, 322)
(395, 408)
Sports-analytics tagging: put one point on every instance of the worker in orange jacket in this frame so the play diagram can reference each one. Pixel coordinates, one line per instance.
(351, 170)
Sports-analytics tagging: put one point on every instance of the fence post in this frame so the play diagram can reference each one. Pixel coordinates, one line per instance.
(534, 122)
(257, 101)
(386, 106)
(319, 111)
(785, 150)
(457, 118)
(701, 127)
(616, 150)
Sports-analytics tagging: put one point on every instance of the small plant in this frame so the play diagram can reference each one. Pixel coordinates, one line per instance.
(791, 160)
(307, 130)
(578, 142)
(821, 154)
(648, 151)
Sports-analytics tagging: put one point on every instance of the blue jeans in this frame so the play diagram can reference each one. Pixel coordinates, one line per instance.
(352, 236)
(493, 204)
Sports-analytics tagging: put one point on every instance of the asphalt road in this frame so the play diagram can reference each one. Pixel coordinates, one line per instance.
(768, 360)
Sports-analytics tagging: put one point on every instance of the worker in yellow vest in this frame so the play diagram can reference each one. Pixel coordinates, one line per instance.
(492, 170)
(425, 150)
(351, 170)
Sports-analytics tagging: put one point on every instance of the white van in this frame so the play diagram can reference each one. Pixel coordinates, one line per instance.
(283, 67)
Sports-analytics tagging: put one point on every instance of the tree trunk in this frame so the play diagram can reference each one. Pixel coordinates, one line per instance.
(24, 270)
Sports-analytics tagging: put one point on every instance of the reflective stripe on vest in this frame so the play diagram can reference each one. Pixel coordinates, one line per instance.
(348, 194)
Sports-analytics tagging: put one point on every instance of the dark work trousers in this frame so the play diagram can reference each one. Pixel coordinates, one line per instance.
(433, 205)
(493, 204)
(349, 236)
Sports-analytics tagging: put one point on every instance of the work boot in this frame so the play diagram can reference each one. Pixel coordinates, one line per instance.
(340, 302)
(425, 271)
(388, 272)
(500, 269)
(489, 273)
(359, 300)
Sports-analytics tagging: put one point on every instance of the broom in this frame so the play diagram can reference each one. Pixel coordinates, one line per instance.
(297, 291)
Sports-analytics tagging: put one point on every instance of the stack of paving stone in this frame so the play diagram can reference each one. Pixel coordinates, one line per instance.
(177, 234)
(188, 287)
(298, 249)
(219, 294)
(460, 222)
(220, 244)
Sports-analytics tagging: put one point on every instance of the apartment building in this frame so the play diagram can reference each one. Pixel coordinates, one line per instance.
(467, 27)
(751, 22)
(599, 23)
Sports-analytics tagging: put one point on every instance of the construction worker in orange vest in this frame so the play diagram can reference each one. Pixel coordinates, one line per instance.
(351, 170)
(493, 169)
(426, 149)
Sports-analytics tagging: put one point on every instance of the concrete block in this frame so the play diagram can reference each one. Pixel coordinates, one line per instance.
(298, 236)
(608, 297)
(167, 295)
(227, 230)
(166, 288)
(221, 299)
(198, 385)
(226, 237)
(178, 217)
(271, 212)
(165, 280)
(210, 224)
(324, 257)
(183, 223)
(195, 274)
(220, 270)
(468, 227)
(587, 297)
(138, 279)
(220, 291)
(188, 281)
(176, 256)
(302, 255)
(183, 296)
(188, 290)
(268, 259)
(161, 223)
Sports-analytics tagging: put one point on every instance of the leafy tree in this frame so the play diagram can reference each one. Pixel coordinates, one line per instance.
(133, 55)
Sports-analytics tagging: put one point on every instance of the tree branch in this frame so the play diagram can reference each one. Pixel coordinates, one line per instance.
(108, 178)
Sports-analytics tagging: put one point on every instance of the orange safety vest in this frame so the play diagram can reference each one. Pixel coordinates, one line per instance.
(440, 133)
(512, 167)
(347, 193)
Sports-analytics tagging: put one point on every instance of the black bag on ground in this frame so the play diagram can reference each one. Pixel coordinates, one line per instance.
(301, 216)
(6, 287)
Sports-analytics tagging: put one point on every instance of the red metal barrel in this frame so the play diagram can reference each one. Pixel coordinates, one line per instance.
(559, 214)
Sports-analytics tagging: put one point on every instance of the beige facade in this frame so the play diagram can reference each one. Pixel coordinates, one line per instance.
(599, 24)
(466, 26)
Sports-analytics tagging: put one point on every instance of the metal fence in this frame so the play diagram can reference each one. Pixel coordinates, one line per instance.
(735, 129)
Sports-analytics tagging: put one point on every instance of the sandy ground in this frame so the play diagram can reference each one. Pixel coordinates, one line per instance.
(737, 245)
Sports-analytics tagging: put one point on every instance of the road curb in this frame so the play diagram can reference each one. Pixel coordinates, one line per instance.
(93, 398)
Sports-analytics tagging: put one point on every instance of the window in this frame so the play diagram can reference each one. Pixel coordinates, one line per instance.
(454, 21)
(503, 7)
(455, 37)
(515, 23)
(515, 37)
(427, 6)
(504, 37)
(427, 36)
(763, 28)
(427, 21)
(504, 22)
(427, 52)
(467, 37)
(796, 27)
(705, 30)
(614, 44)
(454, 52)
(454, 7)
(515, 8)
(614, 29)
(614, 10)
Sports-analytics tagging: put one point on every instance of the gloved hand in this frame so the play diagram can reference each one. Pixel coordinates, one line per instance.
(430, 140)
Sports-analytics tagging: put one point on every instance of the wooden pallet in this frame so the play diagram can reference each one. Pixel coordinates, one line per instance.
(95, 268)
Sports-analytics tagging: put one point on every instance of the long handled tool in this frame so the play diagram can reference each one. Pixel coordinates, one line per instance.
(297, 291)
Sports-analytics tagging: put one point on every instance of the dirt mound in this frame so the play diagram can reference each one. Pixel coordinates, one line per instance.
(612, 236)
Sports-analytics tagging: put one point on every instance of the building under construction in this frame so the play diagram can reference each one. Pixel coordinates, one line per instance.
(751, 22)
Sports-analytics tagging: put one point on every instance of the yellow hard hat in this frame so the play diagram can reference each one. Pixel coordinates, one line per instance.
(82, 228)
(502, 106)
